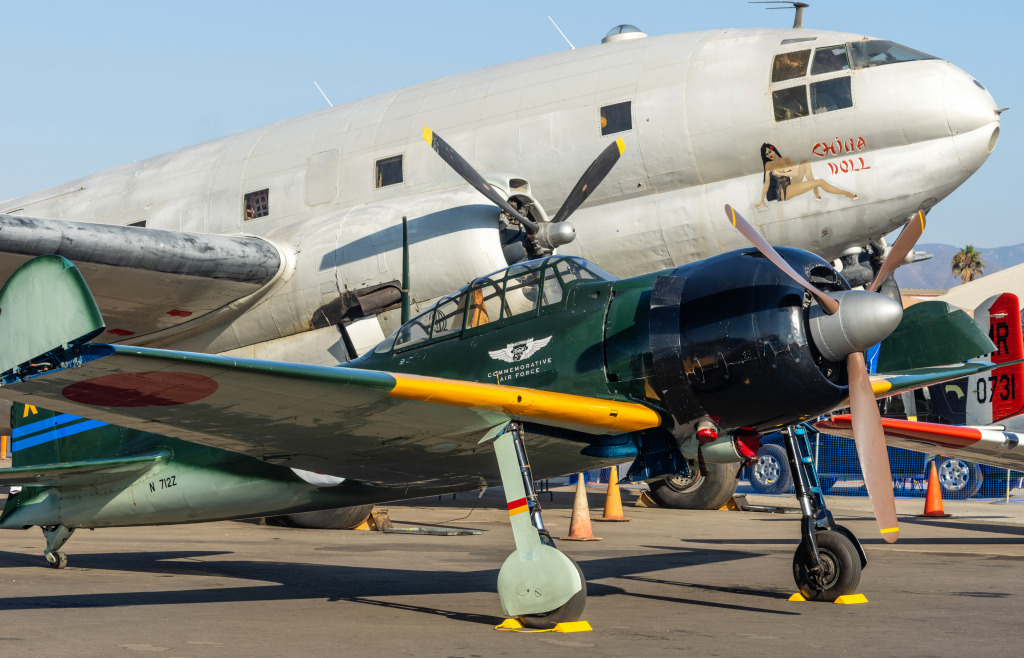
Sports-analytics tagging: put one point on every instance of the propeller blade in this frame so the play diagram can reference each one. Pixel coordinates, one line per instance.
(590, 179)
(750, 233)
(908, 238)
(869, 437)
(471, 176)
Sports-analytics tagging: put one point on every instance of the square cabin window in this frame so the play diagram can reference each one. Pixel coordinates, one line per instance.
(788, 66)
(257, 204)
(830, 60)
(616, 118)
(389, 171)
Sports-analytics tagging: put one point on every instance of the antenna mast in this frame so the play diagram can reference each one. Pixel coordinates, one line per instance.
(798, 19)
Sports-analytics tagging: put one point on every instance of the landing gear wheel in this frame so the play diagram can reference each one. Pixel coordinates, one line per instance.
(60, 562)
(571, 610)
(697, 491)
(342, 518)
(770, 474)
(840, 567)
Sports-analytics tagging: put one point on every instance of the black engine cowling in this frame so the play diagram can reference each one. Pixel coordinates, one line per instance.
(730, 340)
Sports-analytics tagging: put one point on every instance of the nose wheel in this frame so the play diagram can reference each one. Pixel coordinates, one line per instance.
(829, 560)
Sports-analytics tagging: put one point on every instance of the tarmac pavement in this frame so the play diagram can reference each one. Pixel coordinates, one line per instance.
(715, 583)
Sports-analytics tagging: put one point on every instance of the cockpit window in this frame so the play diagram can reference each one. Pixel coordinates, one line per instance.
(828, 95)
(415, 330)
(878, 53)
(830, 60)
(449, 316)
(484, 304)
(521, 293)
(790, 65)
(790, 103)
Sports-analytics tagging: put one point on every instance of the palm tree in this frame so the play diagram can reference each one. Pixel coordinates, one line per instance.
(967, 264)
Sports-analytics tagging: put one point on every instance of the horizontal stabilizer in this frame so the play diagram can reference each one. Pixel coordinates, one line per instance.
(46, 311)
(933, 334)
(71, 475)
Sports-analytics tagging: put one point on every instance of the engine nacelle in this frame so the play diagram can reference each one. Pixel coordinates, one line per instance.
(730, 340)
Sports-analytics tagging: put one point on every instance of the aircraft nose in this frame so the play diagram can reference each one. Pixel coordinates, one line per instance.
(972, 118)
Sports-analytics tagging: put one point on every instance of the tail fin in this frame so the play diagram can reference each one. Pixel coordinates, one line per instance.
(40, 436)
(995, 395)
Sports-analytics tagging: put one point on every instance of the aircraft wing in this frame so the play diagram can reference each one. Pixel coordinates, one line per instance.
(144, 279)
(358, 424)
(885, 384)
(988, 445)
(99, 472)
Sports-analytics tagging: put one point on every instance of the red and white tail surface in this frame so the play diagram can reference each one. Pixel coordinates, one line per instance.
(995, 395)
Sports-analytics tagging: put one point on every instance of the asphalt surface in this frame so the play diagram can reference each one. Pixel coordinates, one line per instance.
(716, 583)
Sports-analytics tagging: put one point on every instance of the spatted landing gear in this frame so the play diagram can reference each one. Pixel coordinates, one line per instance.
(55, 536)
(829, 560)
(537, 583)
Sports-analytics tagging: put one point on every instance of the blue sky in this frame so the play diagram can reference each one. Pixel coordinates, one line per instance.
(89, 86)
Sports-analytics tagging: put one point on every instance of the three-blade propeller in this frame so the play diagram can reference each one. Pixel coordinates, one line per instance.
(853, 323)
(547, 235)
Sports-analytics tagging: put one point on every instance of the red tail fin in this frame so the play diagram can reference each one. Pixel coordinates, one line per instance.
(999, 390)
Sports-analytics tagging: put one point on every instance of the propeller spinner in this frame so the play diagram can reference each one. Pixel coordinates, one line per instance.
(542, 237)
(844, 325)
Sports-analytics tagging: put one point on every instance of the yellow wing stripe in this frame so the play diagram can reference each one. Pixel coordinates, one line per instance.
(527, 403)
(880, 386)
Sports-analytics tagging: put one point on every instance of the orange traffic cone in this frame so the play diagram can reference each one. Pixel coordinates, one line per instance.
(933, 500)
(613, 499)
(579, 525)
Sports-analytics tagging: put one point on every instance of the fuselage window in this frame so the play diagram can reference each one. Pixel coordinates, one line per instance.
(829, 60)
(790, 103)
(866, 54)
(790, 65)
(449, 316)
(389, 171)
(257, 204)
(829, 95)
(616, 118)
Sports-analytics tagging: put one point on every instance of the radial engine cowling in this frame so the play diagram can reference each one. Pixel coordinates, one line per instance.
(730, 339)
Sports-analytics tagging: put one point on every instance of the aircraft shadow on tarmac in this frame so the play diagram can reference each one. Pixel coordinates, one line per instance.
(346, 583)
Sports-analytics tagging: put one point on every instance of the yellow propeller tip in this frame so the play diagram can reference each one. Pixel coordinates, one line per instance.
(428, 135)
(621, 144)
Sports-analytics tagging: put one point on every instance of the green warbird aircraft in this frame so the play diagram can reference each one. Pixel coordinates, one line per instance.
(553, 355)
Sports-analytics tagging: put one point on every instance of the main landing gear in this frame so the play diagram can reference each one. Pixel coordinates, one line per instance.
(537, 583)
(829, 559)
(55, 536)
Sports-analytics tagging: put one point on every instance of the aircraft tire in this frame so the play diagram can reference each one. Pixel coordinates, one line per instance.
(342, 518)
(571, 610)
(60, 562)
(698, 491)
(841, 566)
(770, 474)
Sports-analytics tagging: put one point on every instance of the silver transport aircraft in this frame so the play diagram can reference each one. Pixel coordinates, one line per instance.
(284, 242)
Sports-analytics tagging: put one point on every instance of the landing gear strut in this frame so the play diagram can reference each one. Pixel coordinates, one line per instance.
(55, 536)
(537, 582)
(829, 559)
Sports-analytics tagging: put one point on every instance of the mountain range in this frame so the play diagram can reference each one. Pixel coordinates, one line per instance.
(937, 271)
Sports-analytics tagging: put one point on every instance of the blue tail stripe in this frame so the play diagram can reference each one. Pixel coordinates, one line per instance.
(45, 424)
(58, 433)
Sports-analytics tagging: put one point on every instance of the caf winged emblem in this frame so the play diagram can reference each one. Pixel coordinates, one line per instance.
(519, 350)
